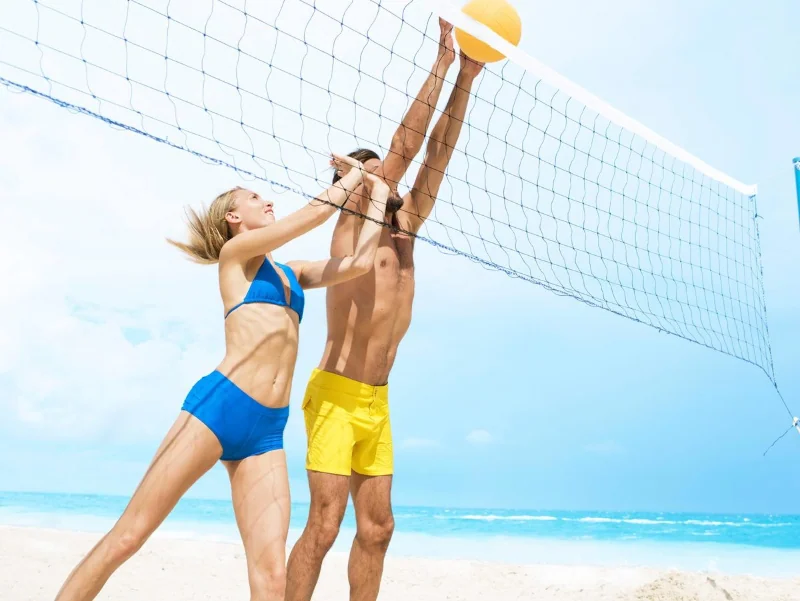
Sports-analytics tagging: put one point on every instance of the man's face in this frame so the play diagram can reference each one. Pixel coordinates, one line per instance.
(373, 165)
(395, 201)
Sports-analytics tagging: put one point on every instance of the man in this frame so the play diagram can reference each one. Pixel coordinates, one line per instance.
(346, 403)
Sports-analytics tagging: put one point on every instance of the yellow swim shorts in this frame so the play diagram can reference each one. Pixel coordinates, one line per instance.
(347, 424)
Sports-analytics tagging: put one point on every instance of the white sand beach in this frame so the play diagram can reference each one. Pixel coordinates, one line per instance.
(34, 562)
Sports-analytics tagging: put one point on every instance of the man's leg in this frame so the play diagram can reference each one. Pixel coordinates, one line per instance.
(328, 503)
(328, 463)
(372, 500)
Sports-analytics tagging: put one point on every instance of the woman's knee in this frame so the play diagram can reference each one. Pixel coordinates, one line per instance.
(268, 581)
(123, 543)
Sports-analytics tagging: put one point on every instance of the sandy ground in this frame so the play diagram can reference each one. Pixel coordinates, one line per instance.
(34, 562)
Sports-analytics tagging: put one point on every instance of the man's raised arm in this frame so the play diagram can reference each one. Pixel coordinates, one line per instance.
(418, 203)
(408, 139)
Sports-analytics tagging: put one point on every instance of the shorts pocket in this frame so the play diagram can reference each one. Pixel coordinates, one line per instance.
(327, 410)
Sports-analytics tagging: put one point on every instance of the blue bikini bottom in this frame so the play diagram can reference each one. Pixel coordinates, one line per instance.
(243, 426)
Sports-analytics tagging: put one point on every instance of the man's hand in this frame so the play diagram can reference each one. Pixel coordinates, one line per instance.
(469, 67)
(447, 53)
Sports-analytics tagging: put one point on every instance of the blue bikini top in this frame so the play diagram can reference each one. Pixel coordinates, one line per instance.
(267, 287)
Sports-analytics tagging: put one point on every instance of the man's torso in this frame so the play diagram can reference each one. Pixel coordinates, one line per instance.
(368, 316)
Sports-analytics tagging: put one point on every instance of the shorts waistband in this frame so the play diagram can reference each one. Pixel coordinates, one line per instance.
(217, 383)
(345, 385)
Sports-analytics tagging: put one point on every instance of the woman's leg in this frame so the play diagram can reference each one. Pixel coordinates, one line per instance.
(261, 501)
(187, 452)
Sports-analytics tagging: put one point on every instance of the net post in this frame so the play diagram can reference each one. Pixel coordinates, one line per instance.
(796, 163)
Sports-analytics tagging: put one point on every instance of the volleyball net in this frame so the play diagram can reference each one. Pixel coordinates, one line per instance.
(546, 183)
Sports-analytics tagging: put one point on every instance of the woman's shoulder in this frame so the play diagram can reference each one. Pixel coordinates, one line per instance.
(234, 270)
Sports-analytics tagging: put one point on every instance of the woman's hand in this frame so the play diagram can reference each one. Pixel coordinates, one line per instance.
(345, 164)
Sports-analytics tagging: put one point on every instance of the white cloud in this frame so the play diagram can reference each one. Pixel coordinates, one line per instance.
(418, 443)
(479, 437)
(86, 263)
(84, 256)
(85, 260)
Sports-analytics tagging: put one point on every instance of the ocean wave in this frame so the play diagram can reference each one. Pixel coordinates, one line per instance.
(629, 521)
(492, 518)
(602, 520)
(736, 524)
(663, 522)
(711, 523)
(705, 533)
(646, 522)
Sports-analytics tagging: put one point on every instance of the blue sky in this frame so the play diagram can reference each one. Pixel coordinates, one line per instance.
(503, 394)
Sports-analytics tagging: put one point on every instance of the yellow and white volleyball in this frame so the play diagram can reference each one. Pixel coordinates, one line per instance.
(497, 15)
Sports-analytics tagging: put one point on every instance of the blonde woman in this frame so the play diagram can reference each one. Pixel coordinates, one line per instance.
(238, 412)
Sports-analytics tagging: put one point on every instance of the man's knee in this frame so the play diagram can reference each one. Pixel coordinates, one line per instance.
(376, 533)
(323, 531)
(268, 581)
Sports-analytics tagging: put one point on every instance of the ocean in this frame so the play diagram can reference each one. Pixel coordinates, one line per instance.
(767, 545)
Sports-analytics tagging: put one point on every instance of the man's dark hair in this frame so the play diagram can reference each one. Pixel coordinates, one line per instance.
(394, 202)
(360, 154)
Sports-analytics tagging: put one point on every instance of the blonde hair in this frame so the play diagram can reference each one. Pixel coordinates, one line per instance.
(208, 229)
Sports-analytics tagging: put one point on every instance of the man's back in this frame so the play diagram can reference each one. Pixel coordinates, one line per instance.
(368, 316)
